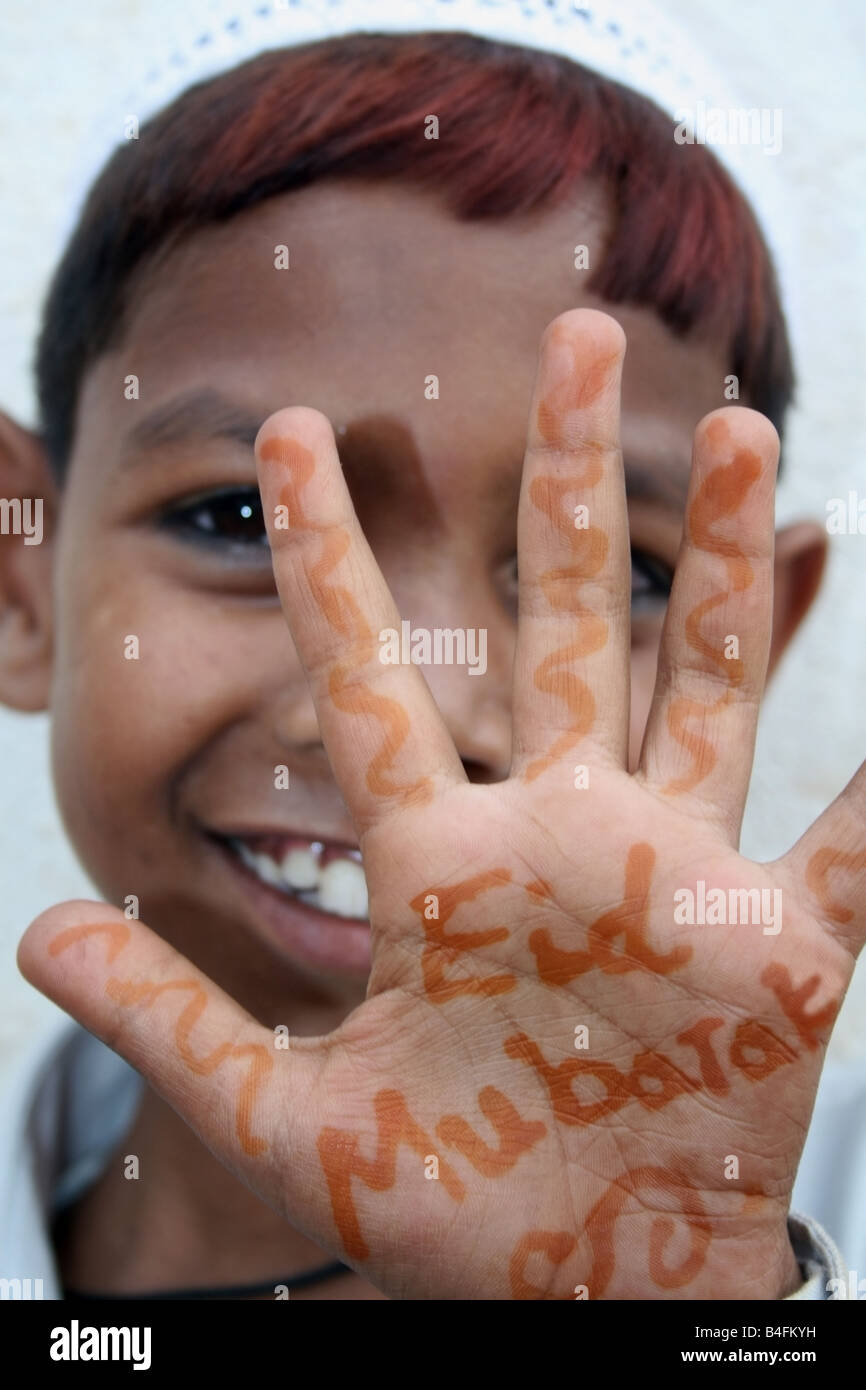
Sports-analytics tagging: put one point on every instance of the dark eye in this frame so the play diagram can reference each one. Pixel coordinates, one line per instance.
(650, 582)
(231, 518)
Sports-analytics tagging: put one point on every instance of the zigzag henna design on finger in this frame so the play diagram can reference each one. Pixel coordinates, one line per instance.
(340, 609)
(554, 676)
(720, 495)
(129, 993)
(576, 390)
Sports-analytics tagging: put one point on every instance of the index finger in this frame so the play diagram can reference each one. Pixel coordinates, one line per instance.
(387, 742)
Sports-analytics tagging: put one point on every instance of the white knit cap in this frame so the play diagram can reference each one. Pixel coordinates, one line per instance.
(627, 40)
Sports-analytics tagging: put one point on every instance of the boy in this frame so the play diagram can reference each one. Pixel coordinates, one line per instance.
(539, 1021)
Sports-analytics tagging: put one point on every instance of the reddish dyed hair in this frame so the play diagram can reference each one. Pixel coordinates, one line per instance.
(519, 130)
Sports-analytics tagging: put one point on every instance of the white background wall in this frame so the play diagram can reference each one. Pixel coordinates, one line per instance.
(60, 65)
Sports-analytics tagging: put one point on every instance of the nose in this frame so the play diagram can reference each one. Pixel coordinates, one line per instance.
(473, 695)
(477, 714)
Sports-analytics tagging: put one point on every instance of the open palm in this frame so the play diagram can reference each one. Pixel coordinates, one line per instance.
(593, 1033)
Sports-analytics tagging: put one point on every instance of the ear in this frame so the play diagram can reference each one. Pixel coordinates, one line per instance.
(801, 554)
(28, 508)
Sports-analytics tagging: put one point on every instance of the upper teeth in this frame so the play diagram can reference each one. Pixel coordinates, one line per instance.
(338, 886)
(300, 869)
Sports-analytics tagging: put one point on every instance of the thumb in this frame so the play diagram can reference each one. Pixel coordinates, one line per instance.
(250, 1101)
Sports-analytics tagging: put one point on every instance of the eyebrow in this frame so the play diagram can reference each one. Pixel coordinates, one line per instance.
(198, 414)
(202, 414)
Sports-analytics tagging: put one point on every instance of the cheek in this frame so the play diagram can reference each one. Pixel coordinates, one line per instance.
(144, 680)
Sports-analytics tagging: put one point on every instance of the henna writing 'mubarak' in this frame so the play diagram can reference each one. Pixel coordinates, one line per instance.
(557, 966)
(342, 1161)
(340, 609)
(654, 1079)
(620, 1087)
(442, 950)
(699, 1037)
(129, 993)
(516, 1135)
(720, 495)
(812, 1028)
(752, 1036)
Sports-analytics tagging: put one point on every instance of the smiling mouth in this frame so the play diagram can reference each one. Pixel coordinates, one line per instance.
(326, 877)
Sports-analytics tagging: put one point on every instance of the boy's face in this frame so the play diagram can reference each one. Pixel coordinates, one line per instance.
(164, 758)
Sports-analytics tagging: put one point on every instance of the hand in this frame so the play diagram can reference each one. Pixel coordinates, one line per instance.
(558, 1086)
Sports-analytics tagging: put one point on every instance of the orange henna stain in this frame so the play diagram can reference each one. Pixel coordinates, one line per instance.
(578, 387)
(809, 1026)
(819, 866)
(703, 753)
(556, 1246)
(698, 1037)
(129, 993)
(621, 1087)
(753, 1036)
(117, 933)
(720, 495)
(540, 890)
(653, 1079)
(629, 920)
(341, 1161)
(753, 1202)
(342, 612)
(516, 1135)
(442, 950)
(558, 1080)
(589, 546)
(602, 1219)
(654, 1066)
